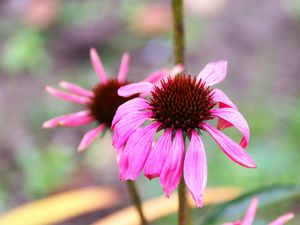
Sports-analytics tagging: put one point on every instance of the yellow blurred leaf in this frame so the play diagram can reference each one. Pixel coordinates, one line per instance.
(160, 207)
(61, 207)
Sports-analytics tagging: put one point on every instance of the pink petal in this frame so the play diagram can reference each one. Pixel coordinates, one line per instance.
(172, 169)
(136, 151)
(234, 151)
(236, 119)
(220, 97)
(129, 107)
(232, 223)
(127, 125)
(195, 168)
(57, 121)
(98, 66)
(250, 214)
(175, 70)
(283, 219)
(213, 73)
(75, 89)
(135, 88)
(158, 155)
(67, 96)
(89, 137)
(156, 76)
(124, 67)
(76, 119)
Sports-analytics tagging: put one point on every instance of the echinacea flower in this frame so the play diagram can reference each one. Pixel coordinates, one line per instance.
(101, 102)
(250, 215)
(179, 109)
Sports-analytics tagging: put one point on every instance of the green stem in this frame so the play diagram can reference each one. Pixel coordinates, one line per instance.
(136, 200)
(178, 40)
(178, 36)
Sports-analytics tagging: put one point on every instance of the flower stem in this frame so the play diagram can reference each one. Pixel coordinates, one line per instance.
(178, 42)
(178, 36)
(136, 200)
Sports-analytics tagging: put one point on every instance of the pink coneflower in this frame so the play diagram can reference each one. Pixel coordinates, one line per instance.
(179, 109)
(101, 102)
(250, 215)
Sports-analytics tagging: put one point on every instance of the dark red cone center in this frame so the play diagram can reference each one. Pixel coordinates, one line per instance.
(182, 103)
(106, 101)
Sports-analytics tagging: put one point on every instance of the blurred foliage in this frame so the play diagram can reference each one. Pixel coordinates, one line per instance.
(26, 51)
(46, 170)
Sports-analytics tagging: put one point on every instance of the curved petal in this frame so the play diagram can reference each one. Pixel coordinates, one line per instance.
(172, 169)
(224, 102)
(234, 151)
(67, 96)
(124, 66)
(135, 88)
(283, 219)
(57, 121)
(89, 137)
(136, 151)
(75, 89)
(98, 66)
(129, 107)
(156, 76)
(251, 212)
(158, 155)
(195, 168)
(221, 98)
(127, 125)
(213, 73)
(236, 119)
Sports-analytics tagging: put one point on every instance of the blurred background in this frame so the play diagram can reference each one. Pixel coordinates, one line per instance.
(45, 41)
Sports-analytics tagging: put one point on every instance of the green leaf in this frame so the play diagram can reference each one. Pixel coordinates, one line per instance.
(236, 208)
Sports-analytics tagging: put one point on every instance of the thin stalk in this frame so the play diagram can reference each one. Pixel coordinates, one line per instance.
(178, 34)
(136, 200)
(179, 56)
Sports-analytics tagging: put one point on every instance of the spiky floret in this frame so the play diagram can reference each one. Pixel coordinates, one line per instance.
(182, 103)
(106, 101)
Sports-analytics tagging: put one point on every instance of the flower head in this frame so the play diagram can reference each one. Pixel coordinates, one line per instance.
(250, 215)
(101, 102)
(179, 108)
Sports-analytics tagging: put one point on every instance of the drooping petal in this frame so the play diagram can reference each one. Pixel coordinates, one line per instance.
(135, 88)
(127, 125)
(89, 137)
(67, 96)
(136, 151)
(195, 168)
(98, 66)
(76, 119)
(129, 107)
(57, 121)
(234, 151)
(213, 73)
(158, 155)
(283, 219)
(251, 212)
(124, 66)
(75, 89)
(172, 169)
(236, 119)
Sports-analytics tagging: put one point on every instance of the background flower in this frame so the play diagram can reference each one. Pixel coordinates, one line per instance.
(101, 102)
